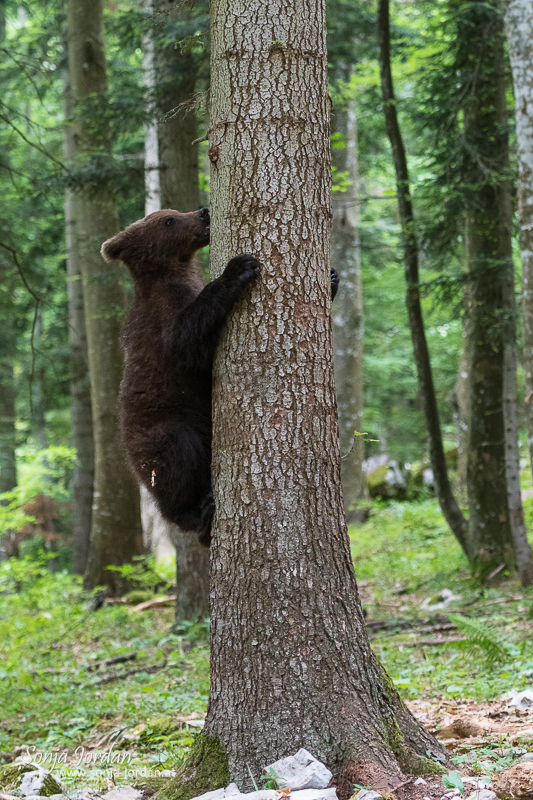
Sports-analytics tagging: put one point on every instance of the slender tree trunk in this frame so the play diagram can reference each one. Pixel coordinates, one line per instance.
(80, 387)
(462, 417)
(176, 81)
(348, 325)
(291, 665)
(448, 504)
(490, 538)
(462, 391)
(177, 188)
(519, 28)
(192, 576)
(152, 182)
(8, 462)
(8, 344)
(38, 395)
(524, 555)
(116, 529)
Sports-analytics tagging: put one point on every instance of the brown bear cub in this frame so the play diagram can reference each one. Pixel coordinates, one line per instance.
(169, 341)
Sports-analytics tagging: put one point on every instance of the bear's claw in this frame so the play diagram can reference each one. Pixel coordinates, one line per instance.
(334, 283)
(243, 269)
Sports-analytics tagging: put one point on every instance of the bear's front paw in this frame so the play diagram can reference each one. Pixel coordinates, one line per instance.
(243, 269)
(334, 283)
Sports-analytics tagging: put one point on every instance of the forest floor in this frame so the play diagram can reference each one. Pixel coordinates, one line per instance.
(110, 696)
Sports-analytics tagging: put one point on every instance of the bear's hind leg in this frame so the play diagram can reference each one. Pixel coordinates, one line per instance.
(181, 483)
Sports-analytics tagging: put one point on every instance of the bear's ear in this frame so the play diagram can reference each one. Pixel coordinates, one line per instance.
(113, 248)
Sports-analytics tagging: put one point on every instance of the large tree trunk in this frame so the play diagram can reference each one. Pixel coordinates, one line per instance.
(116, 527)
(448, 504)
(348, 325)
(80, 387)
(490, 539)
(177, 187)
(519, 28)
(291, 665)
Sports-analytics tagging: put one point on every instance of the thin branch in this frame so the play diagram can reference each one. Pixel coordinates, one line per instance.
(33, 144)
(21, 273)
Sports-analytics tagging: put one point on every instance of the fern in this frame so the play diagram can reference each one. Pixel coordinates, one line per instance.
(481, 635)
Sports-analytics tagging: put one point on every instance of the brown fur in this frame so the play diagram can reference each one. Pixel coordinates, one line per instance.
(169, 341)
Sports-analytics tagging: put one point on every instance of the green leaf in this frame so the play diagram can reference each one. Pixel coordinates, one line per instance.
(453, 781)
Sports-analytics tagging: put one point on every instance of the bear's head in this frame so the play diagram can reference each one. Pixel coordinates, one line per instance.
(160, 241)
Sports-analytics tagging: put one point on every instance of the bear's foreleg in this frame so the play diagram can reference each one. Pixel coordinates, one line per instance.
(197, 329)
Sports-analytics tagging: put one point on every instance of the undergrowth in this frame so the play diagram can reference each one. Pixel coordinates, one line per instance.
(56, 696)
(405, 556)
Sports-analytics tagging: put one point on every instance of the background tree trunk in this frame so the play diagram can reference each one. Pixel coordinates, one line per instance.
(116, 528)
(462, 391)
(519, 29)
(291, 665)
(176, 81)
(490, 539)
(80, 387)
(451, 511)
(152, 181)
(178, 188)
(524, 555)
(8, 462)
(348, 325)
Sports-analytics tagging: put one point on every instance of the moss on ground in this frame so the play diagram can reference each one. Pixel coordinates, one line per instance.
(205, 769)
(12, 776)
(151, 786)
(159, 727)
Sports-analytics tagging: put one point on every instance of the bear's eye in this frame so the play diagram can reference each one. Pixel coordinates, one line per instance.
(169, 221)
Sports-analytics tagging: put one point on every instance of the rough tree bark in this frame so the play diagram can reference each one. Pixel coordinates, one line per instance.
(481, 54)
(518, 15)
(448, 504)
(177, 187)
(116, 528)
(80, 387)
(291, 665)
(348, 325)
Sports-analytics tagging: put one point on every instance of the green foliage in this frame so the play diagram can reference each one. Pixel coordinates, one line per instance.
(252, 778)
(453, 781)
(143, 573)
(270, 779)
(483, 636)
